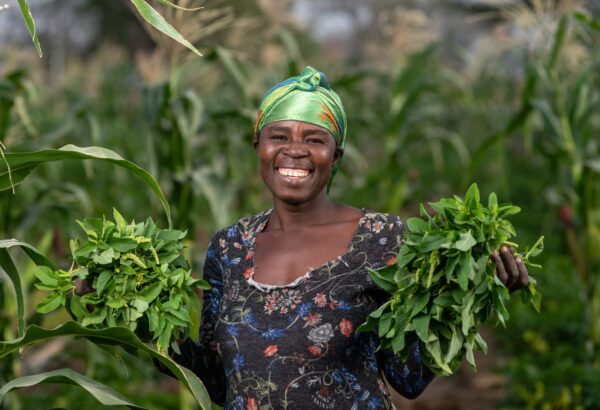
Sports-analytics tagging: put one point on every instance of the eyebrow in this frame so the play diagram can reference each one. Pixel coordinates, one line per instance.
(311, 131)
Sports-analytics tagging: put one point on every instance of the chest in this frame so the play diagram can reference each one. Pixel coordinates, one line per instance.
(315, 320)
(280, 258)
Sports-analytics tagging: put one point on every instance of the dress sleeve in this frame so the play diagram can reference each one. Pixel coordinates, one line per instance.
(201, 356)
(410, 377)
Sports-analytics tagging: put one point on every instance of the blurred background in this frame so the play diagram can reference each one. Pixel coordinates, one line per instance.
(439, 94)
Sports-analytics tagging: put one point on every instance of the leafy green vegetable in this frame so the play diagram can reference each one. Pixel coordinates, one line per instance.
(443, 287)
(140, 280)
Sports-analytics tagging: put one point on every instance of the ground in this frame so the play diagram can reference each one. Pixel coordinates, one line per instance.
(465, 390)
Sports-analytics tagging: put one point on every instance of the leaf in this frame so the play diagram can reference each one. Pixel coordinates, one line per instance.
(157, 21)
(383, 280)
(481, 343)
(455, 345)
(165, 337)
(419, 303)
(469, 354)
(22, 164)
(417, 225)
(421, 324)
(467, 316)
(507, 210)
(139, 304)
(119, 220)
(26, 13)
(7, 264)
(45, 275)
(595, 24)
(170, 4)
(472, 197)
(49, 303)
(405, 256)
(97, 316)
(102, 280)
(464, 270)
(435, 351)
(122, 244)
(377, 313)
(116, 302)
(104, 394)
(431, 242)
(399, 341)
(149, 293)
(105, 258)
(492, 201)
(116, 335)
(465, 242)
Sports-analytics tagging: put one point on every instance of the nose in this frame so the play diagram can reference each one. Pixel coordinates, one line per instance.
(295, 149)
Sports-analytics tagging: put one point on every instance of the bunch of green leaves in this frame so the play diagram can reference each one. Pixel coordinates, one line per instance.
(443, 286)
(139, 277)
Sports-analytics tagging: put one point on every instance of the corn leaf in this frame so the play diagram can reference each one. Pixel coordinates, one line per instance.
(22, 164)
(30, 25)
(117, 335)
(158, 22)
(101, 392)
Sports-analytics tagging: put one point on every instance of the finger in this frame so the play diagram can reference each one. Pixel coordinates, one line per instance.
(523, 274)
(500, 271)
(510, 265)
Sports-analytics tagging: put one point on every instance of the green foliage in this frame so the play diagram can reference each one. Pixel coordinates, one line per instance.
(147, 12)
(28, 18)
(158, 22)
(18, 166)
(102, 393)
(113, 336)
(141, 280)
(443, 286)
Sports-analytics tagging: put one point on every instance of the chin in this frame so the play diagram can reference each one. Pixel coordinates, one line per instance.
(295, 197)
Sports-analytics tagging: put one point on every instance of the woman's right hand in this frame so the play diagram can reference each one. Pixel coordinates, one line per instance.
(82, 287)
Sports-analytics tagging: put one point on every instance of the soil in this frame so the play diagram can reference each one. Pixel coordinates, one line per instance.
(465, 390)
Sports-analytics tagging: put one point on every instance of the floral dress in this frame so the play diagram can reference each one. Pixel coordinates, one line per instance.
(295, 346)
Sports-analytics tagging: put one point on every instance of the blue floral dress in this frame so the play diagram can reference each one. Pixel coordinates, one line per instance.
(295, 346)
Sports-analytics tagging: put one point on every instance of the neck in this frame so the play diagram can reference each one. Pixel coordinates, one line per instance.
(289, 217)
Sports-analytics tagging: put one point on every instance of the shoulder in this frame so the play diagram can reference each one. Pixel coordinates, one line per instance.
(243, 230)
(380, 223)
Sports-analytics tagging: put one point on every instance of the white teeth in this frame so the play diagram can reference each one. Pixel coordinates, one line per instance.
(291, 172)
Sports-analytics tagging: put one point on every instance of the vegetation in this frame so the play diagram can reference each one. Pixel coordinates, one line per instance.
(424, 124)
(443, 287)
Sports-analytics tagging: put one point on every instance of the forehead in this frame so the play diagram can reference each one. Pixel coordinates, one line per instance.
(293, 125)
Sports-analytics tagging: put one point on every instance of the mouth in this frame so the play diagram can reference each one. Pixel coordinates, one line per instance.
(293, 174)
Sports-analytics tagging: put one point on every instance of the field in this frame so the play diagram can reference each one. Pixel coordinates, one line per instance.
(516, 110)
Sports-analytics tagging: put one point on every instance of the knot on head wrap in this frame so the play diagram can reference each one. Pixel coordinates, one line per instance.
(308, 98)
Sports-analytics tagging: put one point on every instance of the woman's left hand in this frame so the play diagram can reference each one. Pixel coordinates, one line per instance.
(511, 270)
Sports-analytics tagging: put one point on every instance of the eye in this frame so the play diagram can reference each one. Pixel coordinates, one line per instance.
(278, 137)
(315, 141)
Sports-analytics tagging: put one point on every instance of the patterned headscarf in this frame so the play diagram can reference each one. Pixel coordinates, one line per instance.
(308, 98)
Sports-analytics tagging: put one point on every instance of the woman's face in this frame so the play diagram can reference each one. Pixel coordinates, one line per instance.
(296, 159)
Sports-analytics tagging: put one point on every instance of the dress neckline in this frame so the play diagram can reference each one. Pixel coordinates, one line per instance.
(265, 287)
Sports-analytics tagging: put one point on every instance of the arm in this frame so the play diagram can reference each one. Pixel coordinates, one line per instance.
(202, 357)
(408, 378)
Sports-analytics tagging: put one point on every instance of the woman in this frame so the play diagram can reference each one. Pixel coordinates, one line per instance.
(290, 285)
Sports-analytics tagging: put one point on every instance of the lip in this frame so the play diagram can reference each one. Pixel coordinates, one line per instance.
(292, 179)
(304, 168)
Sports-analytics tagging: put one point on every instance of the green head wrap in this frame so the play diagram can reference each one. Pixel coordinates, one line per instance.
(308, 98)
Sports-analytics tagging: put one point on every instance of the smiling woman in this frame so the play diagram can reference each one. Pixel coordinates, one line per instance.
(296, 159)
(291, 284)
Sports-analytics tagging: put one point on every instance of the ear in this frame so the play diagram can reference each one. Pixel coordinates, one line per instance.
(338, 154)
(255, 140)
